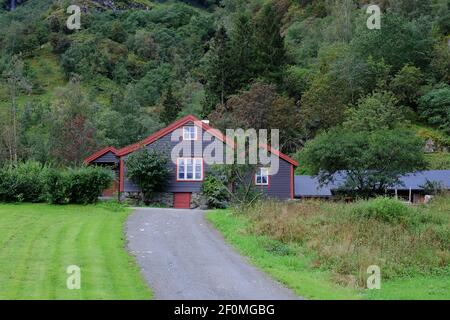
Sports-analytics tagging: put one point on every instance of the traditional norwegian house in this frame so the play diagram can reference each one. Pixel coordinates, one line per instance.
(188, 171)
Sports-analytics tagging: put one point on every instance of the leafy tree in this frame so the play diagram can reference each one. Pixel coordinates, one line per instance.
(434, 107)
(149, 170)
(398, 42)
(406, 85)
(369, 161)
(377, 111)
(323, 105)
(72, 131)
(16, 81)
(171, 107)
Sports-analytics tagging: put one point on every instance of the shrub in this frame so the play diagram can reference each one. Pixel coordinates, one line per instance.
(149, 170)
(79, 185)
(25, 182)
(30, 181)
(85, 185)
(8, 185)
(56, 188)
(384, 209)
(215, 192)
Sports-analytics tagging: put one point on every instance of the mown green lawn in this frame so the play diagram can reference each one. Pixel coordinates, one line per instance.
(38, 242)
(293, 267)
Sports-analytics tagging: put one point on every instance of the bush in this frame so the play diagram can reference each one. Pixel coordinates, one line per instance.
(56, 188)
(32, 182)
(215, 192)
(8, 185)
(25, 182)
(384, 209)
(85, 185)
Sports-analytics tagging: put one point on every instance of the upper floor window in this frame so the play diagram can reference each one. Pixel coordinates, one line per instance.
(262, 177)
(190, 133)
(190, 169)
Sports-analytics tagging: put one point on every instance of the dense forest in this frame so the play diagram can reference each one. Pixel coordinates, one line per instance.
(308, 68)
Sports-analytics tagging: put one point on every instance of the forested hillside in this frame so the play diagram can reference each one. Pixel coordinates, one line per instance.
(301, 66)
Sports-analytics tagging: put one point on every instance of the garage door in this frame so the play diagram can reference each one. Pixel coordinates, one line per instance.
(182, 201)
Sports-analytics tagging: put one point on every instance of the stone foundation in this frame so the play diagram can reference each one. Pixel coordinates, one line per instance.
(165, 199)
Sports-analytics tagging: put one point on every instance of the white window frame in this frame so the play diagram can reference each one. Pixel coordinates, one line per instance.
(195, 164)
(260, 173)
(187, 134)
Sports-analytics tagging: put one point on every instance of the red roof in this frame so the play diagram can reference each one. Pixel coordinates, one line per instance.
(100, 153)
(177, 124)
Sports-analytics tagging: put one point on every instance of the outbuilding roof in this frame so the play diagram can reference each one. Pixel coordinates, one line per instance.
(308, 186)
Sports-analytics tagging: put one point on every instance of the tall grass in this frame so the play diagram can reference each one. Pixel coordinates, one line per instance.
(348, 238)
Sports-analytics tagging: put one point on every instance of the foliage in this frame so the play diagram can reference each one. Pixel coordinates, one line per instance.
(215, 192)
(236, 182)
(434, 107)
(149, 170)
(172, 107)
(77, 185)
(377, 111)
(384, 209)
(22, 183)
(327, 232)
(33, 182)
(370, 161)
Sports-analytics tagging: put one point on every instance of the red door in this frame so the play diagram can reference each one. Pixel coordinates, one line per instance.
(182, 200)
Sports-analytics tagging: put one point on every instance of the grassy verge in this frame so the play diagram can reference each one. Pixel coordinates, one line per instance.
(322, 251)
(285, 263)
(38, 242)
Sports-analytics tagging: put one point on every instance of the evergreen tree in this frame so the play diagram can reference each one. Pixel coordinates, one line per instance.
(172, 106)
(271, 53)
(217, 71)
(243, 51)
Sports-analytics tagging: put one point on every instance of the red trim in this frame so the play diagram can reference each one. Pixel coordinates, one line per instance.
(100, 153)
(292, 182)
(122, 176)
(177, 124)
(280, 154)
(193, 164)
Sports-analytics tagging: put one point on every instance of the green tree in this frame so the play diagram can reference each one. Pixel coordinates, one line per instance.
(149, 170)
(270, 50)
(370, 160)
(376, 111)
(406, 85)
(217, 71)
(434, 107)
(171, 107)
(16, 82)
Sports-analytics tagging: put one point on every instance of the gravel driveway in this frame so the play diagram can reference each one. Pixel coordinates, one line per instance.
(182, 257)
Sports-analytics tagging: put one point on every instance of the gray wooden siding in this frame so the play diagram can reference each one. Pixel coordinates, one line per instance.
(279, 183)
(108, 157)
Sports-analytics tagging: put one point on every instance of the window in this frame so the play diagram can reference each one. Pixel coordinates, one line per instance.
(190, 169)
(190, 133)
(262, 177)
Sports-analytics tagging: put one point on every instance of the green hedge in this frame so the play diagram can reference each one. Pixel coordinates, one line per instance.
(32, 182)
